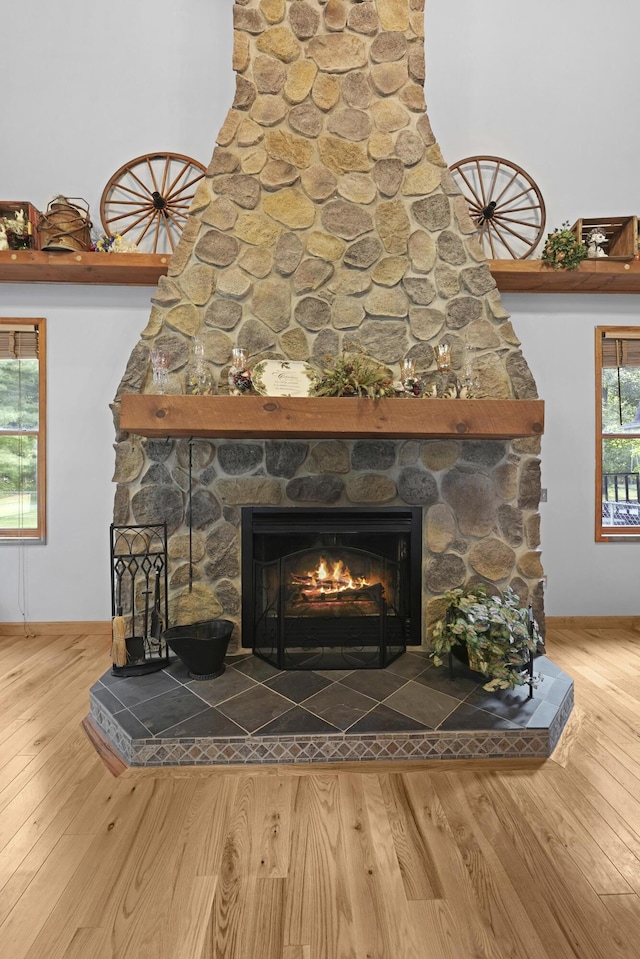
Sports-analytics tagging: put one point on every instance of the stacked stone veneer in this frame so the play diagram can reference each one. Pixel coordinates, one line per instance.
(328, 217)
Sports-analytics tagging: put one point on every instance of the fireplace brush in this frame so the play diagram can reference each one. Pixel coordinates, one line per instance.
(118, 641)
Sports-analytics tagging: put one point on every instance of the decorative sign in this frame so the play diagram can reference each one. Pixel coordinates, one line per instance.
(281, 378)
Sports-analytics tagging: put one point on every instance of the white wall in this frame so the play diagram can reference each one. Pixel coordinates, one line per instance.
(102, 84)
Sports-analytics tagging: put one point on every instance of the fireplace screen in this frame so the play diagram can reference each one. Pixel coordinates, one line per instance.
(330, 589)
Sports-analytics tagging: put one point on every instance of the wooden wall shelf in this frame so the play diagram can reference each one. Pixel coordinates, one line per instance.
(287, 417)
(121, 269)
(591, 276)
(144, 269)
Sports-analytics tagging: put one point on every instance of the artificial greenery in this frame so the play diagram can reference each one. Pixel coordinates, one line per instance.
(352, 374)
(563, 250)
(497, 632)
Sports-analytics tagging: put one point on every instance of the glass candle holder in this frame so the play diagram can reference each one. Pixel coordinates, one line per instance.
(443, 357)
(160, 369)
(199, 378)
(408, 375)
(239, 373)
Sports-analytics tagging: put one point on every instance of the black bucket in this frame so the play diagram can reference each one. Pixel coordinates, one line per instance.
(201, 646)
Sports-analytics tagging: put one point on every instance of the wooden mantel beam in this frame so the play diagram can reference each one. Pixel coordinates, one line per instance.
(284, 417)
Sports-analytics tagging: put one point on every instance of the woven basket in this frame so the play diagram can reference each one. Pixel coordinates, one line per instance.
(65, 225)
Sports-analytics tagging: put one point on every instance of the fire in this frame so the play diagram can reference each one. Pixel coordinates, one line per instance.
(333, 578)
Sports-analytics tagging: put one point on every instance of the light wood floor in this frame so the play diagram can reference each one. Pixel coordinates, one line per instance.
(526, 860)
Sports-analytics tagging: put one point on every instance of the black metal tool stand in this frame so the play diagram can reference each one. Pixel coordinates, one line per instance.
(139, 588)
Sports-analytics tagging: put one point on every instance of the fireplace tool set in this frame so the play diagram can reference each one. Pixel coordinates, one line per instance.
(139, 599)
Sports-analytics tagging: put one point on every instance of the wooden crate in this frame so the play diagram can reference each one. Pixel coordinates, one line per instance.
(8, 209)
(621, 233)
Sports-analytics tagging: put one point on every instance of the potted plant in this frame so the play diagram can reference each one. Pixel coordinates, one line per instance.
(563, 250)
(495, 635)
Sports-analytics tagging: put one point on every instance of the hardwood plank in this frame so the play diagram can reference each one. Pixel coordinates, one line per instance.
(27, 851)
(625, 911)
(419, 873)
(473, 937)
(437, 930)
(576, 908)
(506, 915)
(24, 923)
(88, 942)
(187, 920)
(272, 826)
(327, 917)
(595, 826)
(399, 935)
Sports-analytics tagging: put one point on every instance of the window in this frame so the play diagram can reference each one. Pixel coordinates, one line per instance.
(22, 429)
(617, 432)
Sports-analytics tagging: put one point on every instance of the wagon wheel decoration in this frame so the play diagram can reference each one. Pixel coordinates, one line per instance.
(504, 202)
(147, 200)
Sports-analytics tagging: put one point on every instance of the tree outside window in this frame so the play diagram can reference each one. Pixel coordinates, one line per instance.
(618, 432)
(22, 419)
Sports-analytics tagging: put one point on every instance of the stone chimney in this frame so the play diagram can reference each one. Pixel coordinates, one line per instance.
(328, 216)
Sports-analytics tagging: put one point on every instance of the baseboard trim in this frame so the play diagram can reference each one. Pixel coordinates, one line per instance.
(592, 622)
(98, 628)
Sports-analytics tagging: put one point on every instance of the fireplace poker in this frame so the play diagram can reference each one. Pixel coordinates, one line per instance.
(147, 594)
(157, 620)
(190, 514)
(118, 641)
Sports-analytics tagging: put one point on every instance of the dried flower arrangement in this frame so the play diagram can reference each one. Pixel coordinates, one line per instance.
(113, 243)
(352, 373)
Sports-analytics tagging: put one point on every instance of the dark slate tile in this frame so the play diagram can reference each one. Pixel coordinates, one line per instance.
(229, 684)
(298, 685)
(296, 721)
(178, 671)
(558, 692)
(381, 719)
(256, 668)
(427, 706)
(164, 711)
(465, 717)
(255, 707)
(376, 683)
(132, 726)
(437, 677)
(209, 723)
(335, 675)
(511, 704)
(408, 665)
(106, 698)
(339, 705)
(542, 664)
(131, 690)
(543, 716)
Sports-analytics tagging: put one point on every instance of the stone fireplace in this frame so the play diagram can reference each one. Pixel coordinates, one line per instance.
(328, 217)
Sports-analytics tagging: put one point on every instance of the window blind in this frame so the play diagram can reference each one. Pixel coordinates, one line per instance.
(620, 351)
(18, 342)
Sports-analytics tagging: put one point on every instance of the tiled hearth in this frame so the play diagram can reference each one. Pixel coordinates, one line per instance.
(254, 713)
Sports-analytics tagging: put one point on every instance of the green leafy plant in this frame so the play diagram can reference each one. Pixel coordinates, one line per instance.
(498, 635)
(352, 374)
(563, 250)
